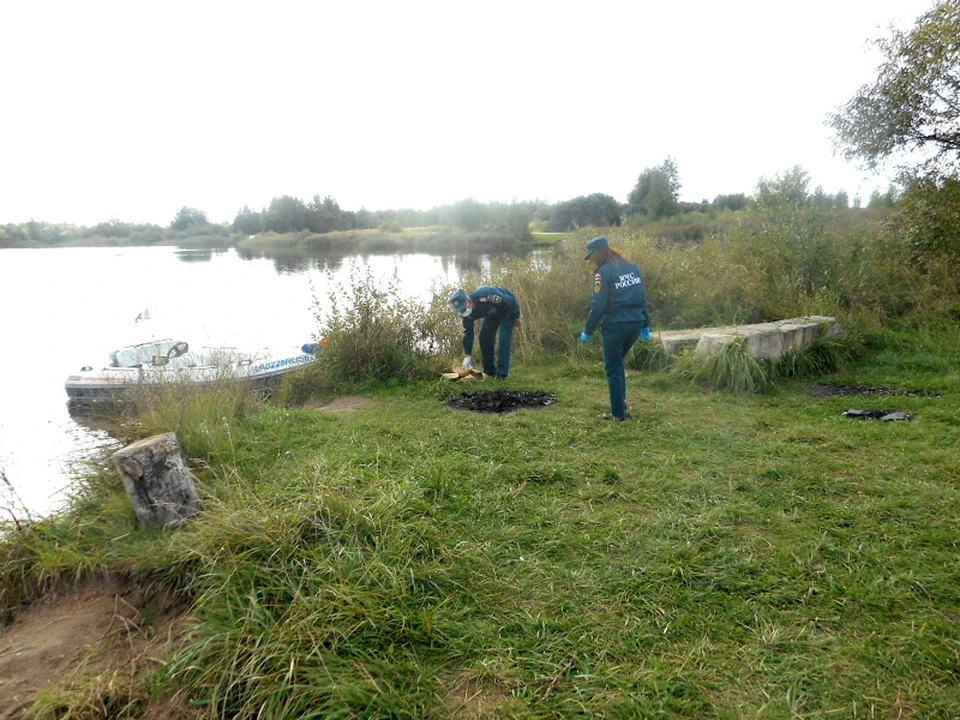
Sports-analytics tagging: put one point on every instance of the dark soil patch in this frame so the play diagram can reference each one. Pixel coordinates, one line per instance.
(826, 391)
(501, 401)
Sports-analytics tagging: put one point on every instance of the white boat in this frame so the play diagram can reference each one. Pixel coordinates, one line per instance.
(154, 363)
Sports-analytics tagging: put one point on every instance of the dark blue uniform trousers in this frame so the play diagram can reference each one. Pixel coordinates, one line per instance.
(499, 363)
(616, 340)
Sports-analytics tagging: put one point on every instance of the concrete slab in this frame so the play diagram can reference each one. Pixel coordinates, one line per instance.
(764, 340)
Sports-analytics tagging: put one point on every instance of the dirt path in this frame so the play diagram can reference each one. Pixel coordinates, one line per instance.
(345, 404)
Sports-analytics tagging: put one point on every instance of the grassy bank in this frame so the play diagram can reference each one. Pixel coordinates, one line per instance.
(721, 555)
(718, 556)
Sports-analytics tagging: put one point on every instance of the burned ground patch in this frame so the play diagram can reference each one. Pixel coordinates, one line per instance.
(501, 401)
(829, 390)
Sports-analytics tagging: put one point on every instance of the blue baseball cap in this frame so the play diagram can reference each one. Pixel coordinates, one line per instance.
(458, 300)
(598, 243)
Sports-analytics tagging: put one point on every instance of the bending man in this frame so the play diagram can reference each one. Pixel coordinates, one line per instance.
(499, 310)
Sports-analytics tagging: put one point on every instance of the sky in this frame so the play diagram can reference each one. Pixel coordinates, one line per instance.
(132, 110)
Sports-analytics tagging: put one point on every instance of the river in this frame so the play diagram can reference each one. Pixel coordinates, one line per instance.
(62, 308)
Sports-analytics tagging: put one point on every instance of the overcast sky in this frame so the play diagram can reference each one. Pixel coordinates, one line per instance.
(132, 110)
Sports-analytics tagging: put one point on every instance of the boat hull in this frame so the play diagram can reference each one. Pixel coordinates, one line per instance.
(119, 382)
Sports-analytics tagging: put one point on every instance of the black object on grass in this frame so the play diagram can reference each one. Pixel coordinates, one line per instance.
(500, 401)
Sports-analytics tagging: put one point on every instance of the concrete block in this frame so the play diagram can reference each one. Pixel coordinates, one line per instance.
(797, 336)
(712, 343)
(676, 342)
(769, 341)
(765, 341)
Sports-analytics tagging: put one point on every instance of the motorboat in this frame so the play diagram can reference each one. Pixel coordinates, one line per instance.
(159, 362)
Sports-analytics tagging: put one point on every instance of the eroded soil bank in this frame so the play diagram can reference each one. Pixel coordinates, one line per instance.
(108, 626)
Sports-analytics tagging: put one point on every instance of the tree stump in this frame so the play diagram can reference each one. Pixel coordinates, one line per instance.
(156, 477)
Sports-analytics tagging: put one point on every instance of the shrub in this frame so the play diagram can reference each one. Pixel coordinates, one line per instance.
(373, 334)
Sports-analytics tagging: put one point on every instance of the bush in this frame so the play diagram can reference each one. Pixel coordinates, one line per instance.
(372, 334)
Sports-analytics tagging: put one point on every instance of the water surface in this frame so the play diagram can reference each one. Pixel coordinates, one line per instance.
(63, 308)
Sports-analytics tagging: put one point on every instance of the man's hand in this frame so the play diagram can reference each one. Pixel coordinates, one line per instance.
(584, 338)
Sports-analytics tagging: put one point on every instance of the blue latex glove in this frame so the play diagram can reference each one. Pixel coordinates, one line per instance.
(584, 338)
(645, 334)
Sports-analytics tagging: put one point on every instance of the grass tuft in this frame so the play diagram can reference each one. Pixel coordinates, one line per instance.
(732, 369)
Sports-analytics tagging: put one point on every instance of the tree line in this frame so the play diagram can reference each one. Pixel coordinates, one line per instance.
(910, 111)
(654, 198)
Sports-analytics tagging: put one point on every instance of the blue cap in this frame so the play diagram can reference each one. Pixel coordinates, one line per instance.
(598, 243)
(458, 300)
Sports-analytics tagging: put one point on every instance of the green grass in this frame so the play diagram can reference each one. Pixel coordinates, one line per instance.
(719, 556)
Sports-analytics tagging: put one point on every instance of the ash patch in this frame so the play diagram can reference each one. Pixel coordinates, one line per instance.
(826, 391)
(501, 401)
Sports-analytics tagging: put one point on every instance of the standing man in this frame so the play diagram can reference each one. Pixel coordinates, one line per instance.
(499, 310)
(619, 307)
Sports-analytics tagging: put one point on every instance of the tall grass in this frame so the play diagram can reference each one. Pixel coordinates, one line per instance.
(732, 369)
(757, 266)
(553, 295)
(752, 267)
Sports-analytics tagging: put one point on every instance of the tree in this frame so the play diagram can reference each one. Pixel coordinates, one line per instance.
(927, 216)
(285, 214)
(656, 192)
(469, 215)
(820, 200)
(512, 220)
(248, 221)
(188, 217)
(324, 216)
(789, 188)
(597, 210)
(363, 219)
(885, 200)
(736, 201)
(913, 106)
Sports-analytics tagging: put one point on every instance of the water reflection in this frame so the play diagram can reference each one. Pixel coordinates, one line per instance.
(197, 254)
(457, 258)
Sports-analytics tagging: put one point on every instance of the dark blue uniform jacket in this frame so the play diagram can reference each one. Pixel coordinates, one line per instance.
(618, 296)
(489, 302)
